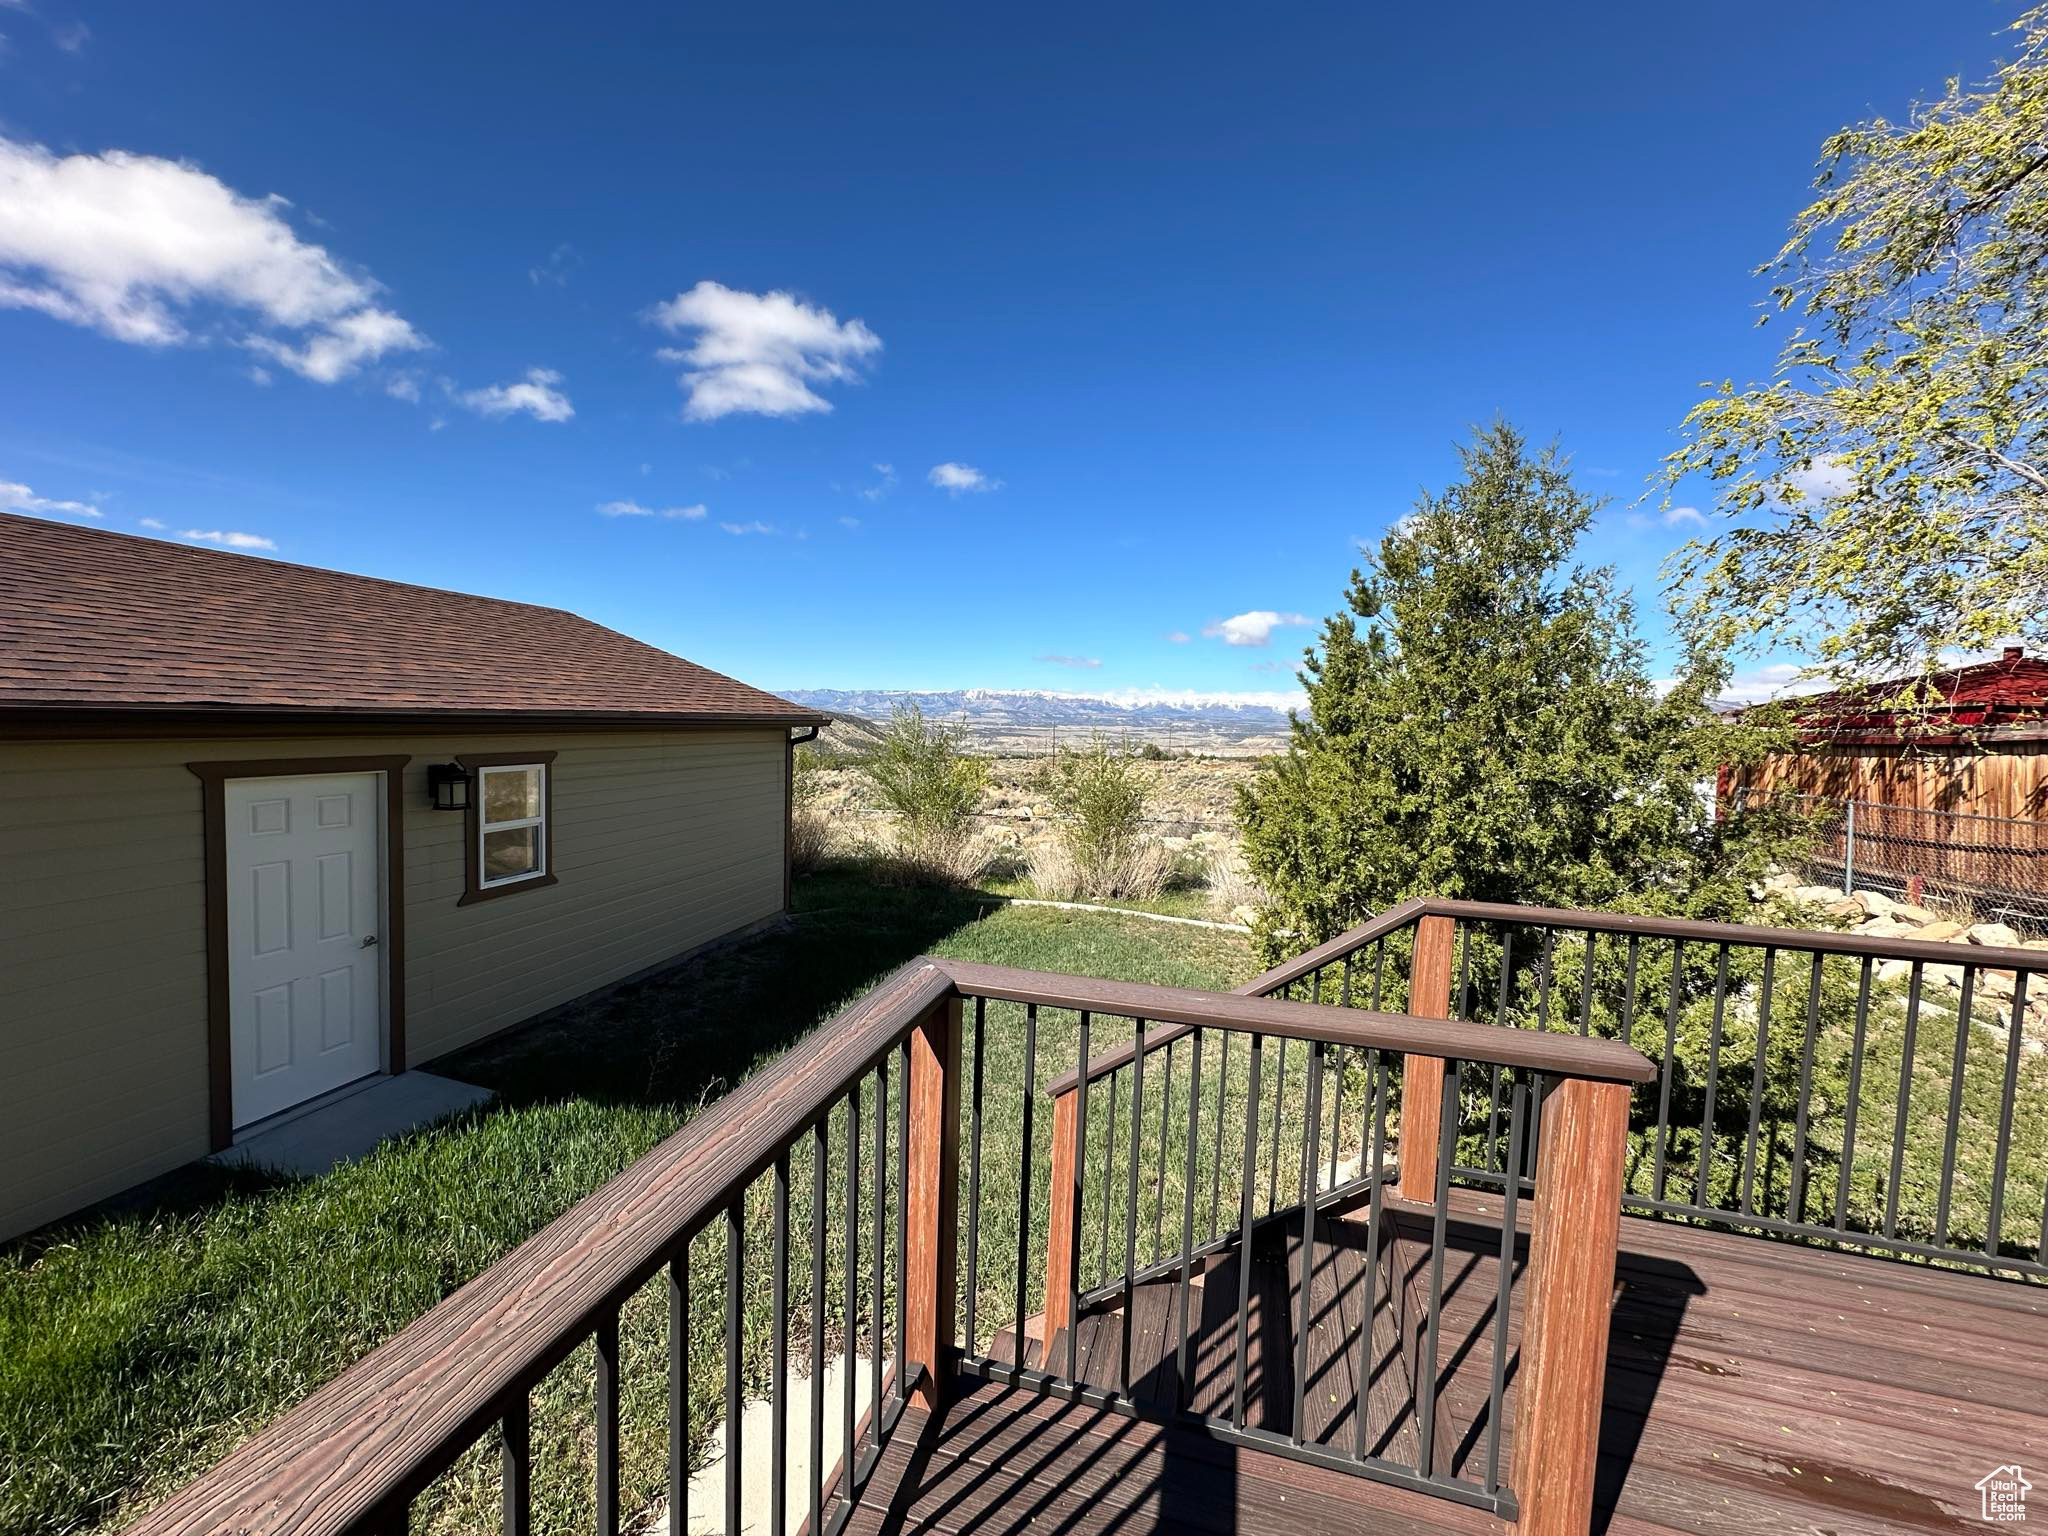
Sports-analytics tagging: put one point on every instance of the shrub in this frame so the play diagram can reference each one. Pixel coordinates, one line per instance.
(1101, 850)
(1136, 872)
(810, 825)
(922, 774)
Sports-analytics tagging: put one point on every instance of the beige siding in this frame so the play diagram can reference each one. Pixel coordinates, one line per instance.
(662, 841)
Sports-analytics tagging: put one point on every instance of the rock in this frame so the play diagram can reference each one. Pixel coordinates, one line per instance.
(2034, 943)
(1848, 909)
(1949, 976)
(1816, 895)
(1781, 880)
(1995, 983)
(1906, 912)
(1885, 928)
(1245, 915)
(1939, 931)
(1997, 935)
(1876, 903)
(1893, 970)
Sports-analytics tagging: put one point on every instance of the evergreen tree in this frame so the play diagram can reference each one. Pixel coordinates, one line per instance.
(1482, 724)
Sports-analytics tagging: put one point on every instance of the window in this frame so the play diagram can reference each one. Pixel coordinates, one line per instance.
(511, 841)
(512, 823)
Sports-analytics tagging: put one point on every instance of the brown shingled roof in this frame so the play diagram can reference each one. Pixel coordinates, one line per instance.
(111, 623)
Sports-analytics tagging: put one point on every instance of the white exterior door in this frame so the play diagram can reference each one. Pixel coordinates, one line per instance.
(305, 914)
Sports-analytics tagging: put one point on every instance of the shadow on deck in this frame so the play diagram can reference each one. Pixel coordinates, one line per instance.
(1751, 1385)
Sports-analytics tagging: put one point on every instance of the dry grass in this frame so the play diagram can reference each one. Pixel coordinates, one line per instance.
(1137, 871)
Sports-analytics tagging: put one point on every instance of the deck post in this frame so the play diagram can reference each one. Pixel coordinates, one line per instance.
(1063, 1222)
(931, 1222)
(1570, 1290)
(1422, 1077)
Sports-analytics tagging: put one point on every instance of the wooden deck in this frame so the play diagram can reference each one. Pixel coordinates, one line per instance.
(1751, 1386)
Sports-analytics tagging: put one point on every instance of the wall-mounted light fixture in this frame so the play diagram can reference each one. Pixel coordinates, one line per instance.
(449, 783)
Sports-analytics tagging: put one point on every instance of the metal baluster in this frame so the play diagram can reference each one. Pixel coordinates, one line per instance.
(1311, 1132)
(517, 1464)
(1029, 1157)
(881, 1234)
(1795, 1199)
(1375, 1234)
(1447, 1144)
(1545, 953)
(607, 1341)
(679, 1391)
(1503, 1291)
(973, 1190)
(1756, 1082)
(1855, 1094)
(1073, 1276)
(1891, 1192)
(1244, 1232)
(1995, 1221)
(1500, 1018)
(778, 1364)
(735, 1398)
(1216, 1167)
(1706, 1168)
(1183, 1388)
(816, 1482)
(850, 1327)
(1463, 1009)
(1957, 1068)
(1667, 1069)
(1337, 1067)
(1108, 1181)
(902, 1224)
(1131, 1209)
(1159, 1195)
(1628, 1000)
(1586, 985)
(1279, 1100)
(1379, 971)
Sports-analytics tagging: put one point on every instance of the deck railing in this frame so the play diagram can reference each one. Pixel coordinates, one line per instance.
(866, 1253)
(1887, 1095)
(1292, 1160)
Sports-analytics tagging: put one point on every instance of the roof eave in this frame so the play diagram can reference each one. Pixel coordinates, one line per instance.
(40, 717)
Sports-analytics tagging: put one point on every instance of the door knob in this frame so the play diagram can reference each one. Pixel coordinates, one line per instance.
(368, 941)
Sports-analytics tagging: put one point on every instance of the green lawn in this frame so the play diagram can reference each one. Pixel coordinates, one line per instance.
(136, 1348)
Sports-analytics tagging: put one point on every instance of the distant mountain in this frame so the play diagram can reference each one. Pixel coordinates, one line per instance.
(1217, 722)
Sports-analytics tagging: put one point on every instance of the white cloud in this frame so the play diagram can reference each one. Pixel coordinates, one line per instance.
(1821, 479)
(535, 394)
(849, 522)
(154, 525)
(954, 479)
(71, 38)
(228, 538)
(1179, 637)
(1253, 628)
(1673, 516)
(759, 353)
(15, 497)
(404, 386)
(739, 530)
(694, 513)
(145, 250)
(562, 260)
(1776, 680)
(884, 484)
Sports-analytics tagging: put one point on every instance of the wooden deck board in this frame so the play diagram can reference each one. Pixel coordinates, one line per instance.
(1752, 1386)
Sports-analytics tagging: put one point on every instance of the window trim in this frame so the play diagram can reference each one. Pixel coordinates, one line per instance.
(475, 887)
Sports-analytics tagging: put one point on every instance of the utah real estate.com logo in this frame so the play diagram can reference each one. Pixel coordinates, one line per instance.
(2005, 1492)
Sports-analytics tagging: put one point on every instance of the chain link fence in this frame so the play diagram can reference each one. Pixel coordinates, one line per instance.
(1995, 866)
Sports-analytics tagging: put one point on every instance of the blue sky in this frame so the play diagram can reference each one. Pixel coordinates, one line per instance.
(1151, 313)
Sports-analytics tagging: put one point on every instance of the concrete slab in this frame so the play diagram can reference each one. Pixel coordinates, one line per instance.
(352, 1123)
